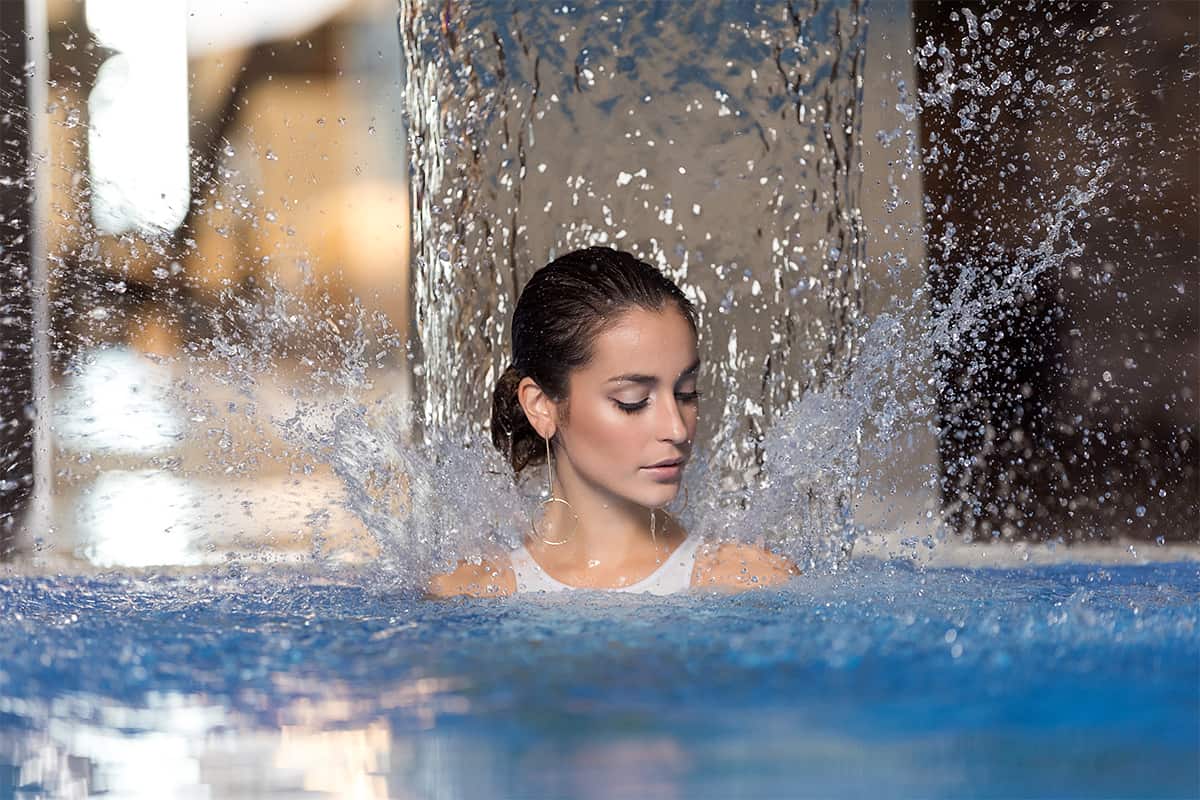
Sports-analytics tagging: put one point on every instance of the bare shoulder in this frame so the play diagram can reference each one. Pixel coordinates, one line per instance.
(492, 577)
(737, 566)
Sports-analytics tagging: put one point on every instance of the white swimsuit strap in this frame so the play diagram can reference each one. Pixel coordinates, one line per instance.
(673, 575)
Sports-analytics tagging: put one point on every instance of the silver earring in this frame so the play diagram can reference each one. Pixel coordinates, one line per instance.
(552, 499)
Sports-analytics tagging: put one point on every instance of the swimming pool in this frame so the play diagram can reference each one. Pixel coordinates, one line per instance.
(722, 164)
(888, 680)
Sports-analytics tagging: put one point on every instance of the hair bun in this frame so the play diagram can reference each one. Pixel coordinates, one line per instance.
(511, 432)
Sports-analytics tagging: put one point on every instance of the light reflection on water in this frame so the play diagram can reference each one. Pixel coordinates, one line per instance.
(180, 746)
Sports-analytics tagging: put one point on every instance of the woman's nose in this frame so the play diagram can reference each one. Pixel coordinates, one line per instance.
(673, 427)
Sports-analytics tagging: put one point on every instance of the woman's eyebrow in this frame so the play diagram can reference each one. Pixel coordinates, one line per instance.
(650, 380)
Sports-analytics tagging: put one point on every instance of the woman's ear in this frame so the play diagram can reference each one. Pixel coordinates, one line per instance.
(540, 410)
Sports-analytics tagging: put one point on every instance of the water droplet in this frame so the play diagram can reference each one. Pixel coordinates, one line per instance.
(271, 156)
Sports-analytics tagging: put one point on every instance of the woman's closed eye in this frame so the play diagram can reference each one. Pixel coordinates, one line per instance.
(634, 407)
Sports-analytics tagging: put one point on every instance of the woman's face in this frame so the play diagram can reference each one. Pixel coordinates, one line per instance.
(632, 409)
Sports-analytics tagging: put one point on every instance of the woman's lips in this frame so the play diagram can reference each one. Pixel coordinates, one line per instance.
(669, 471)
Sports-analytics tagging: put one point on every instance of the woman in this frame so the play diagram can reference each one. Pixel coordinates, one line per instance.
(602, 395)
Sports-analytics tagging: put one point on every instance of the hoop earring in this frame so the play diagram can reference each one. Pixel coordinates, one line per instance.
(552, 499)
(686, 499)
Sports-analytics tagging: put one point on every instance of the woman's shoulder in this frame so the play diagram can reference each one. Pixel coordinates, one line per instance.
(492, 576)
(739, 565)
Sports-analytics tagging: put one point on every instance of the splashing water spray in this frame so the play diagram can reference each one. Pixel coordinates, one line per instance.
(727, 147)
(730, 155)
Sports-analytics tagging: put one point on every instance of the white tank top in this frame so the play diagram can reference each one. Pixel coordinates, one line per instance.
(673, 575)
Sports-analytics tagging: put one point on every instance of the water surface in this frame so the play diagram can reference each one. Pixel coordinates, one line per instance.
(888, 680)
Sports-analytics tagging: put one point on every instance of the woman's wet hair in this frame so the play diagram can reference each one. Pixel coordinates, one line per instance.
(561, 310)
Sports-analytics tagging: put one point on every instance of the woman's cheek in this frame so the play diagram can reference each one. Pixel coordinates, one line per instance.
(614, 430)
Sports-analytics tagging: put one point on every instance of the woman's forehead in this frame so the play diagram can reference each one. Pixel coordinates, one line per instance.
(645, 341)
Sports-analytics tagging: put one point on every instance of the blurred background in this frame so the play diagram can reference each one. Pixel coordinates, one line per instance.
(189, 155)
(166, 164)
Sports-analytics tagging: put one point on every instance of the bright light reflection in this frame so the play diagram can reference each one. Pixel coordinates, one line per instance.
(140, 519)
(225, 24)
(185, 747)
(339, 764)
(138, 132)
(118, 401)
(149, 765)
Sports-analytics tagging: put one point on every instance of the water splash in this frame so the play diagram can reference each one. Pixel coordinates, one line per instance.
(739, 174)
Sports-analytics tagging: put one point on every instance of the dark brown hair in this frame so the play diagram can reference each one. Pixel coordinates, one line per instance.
(561, 310)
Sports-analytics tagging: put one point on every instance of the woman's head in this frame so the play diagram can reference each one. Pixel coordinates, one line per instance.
(604, 364)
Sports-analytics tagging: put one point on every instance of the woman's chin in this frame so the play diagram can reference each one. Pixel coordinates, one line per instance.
(649, 492)
(660, 494)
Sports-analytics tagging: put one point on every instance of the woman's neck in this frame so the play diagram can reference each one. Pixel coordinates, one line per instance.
(611, 531)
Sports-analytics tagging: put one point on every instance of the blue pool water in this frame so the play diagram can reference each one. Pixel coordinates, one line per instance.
(886, 681)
